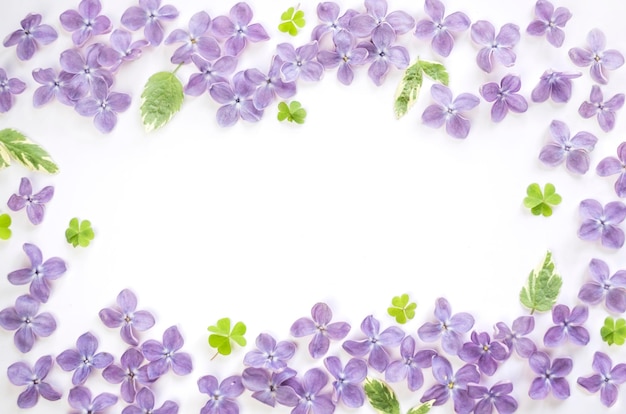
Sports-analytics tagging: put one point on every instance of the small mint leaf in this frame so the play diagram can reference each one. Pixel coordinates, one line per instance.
(161, 99)
(542, 287)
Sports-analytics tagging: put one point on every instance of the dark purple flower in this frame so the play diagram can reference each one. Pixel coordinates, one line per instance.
(269, 86)
(364, 24)
(164, 355)
(483, 352)
(555, 85)
(310, 390)
(39, 274)
(210, 73)
(144, 404)
(450, 328)
(321, 328)
(122, 49)
(300, 62)
(596, 56)
(196, 40)
(602, 286)
(269, 354)
(567, 325)
(574, 151)
(236, 100)
(34, 203)
(504, 97)
(606, 379)
(21, 374)
(85, 69)
(80, 399)
(8, 88)
(222, 397)
(237, 29)
(382, 53)
(549, 21)
(439, 28)
(84, 358)
(498, 47)
(328, 15)
(411, 365)
(269, 387)
(602, 223)
(26, 322)
(514, 338)
(376, 343)
(346, 55)
(451, 384)
(448, 111)
(128, 317)
(347, 385)
(103, 105)
(56, 86)
(604, 110)
(497, 396)
(86, 22)
(129, 374)
(149, 15)
(551, 376)
(30, 36)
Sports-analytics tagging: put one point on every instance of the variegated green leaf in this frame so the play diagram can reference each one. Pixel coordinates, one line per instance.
(15, 145)
(408, 89)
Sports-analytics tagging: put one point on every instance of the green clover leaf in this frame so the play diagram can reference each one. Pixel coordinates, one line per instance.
(614, 331)
(292, 21)
(222, 335)
(5, 223)
(540, 203)
(292, 112)
(79, 233)
(401, 309)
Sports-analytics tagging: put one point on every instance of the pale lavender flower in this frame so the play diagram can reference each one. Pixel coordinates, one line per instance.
(103, 105)
(80, 398)
(514, 338)
(84, 359)
(574, 151)
(347, 385)
(604, 110)
(495, 47)
(320, 326)
(606, 379)
(554, 85)
(196, 40)
(144, 404)
(345, 56)
(383, 54)
(551, 376)
(364, 24)
(129, 374)
(496, 397)
(237, 30)
(483, 352)
(269, 387)
(39, 274)
(504, 97)
(602, 222)
(451, 384)
(128, 317)
(615, 165)
(222, 396)
(85, 22)
(376, 343)
(210, 73)
(236, 100)
(122, 49)
(299, 62)
(269, 354)
(34, 203)
(30, 36)
(312, 399)
(8, 88)
(410, 365)
(439, 28)
(56, 86)
(331, 22)
(269, 86)
(164, 355)
(21, 374)
(149, 15)
(28, 324)
(85, 68)
(597, 56)
(549, 21)
(450, 328)
(567, 325)
(612, 289)
(448, 111)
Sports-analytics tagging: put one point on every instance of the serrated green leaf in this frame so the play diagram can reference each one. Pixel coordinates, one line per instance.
(5, 223)
(614, 331)
(161, 99)
(542, 288)
(408, 89)
(381, 396)
(422, 409)
(15, 145)
(435, 71)
(79, 233)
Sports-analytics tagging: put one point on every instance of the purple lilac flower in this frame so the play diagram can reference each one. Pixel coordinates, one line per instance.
(364, 24)
(269, 387)
(28, 324)
(498, 47)
(103, 105)
(514, 338)
(128, 317)
(483, 352)
(347, 385)
(410, 365)
(269, 354)
(449, 327)
(382, 53)
(129, 373)
(21, 374)
(567, 325)
(237, 29)
(56, 86)
(236, 100)
(551, 376)
(122, 49)
(346, 55)
(504, 97)
(602, 223)
(34, 203)
(497, 396)
(549, 21)
(606, 379)
(145, 404)
(300, 62)
(451, 384)
(164, 355)
(439, 28)
(449, 111)
(39, 274)
(222, 396)
(376, 344)
(8, 88)
(596, 56)
(86, 22)
(84, 358)
(321, 328)
(80, 398)
(30, 36)
(269, 86)
(604, 110)
(309, 389)
(85, 69)
(612, 289)
(574, 151)
(196, 40)
(555, 85)
(328, 15)
(210, 73)
(149, 15)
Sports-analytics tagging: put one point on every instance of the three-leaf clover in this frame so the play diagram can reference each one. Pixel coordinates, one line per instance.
(79, 233)
(540, 203)
(5, 223)
(614, 331)
(292, 21)
(222, 335)
(401, 309)
(292, 112)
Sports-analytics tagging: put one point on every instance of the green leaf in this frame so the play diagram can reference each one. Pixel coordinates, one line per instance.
(401, 309)
(292, 21)
(613, 331)
(435, 71)
(292, 112)
(222, 335)
(14, 145)
(79, 233)
(5, 223)
(422, 409)
(381, 396)
(162, 97)
(542, 288)
(408, 89)
(540, 203)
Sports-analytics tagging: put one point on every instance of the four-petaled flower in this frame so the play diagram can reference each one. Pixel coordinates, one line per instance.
(26, 322)
(86, 22)
(514, 338)
(551, 376)
(382, 53)
(39, 274)
(8, 88)
(606, 379)
(440, 28)
(574, 151)
(58, 86)
(375, 344)
(312, 399)
(149, 15)
(615, 165)
(30, 36)
(237, 30)
(103, 105)
(80, 398)
(596, 56)
(222, 396)
(347, 385)
(365, 24)
(411, 364)
(451, 384)
(602, 222)
(498, 47)
(269, 387)
(164, 355)
(128, 317)
(549, 21)
(85, 68)
(21, 374)
(236, 100)
(84, 358)
(129, 373)
(554, 85)
(504, 97)
(196, 41)
(567, 325)
(269, 354)
(346, 55)
(330, 21)
(210, 73)
(300, 62)
(144, 404)
(34, 203)
(449, 327)
(321, 328)
(269, 86)
(449, 111)
(604, 110)
(497, 396)
(612, 289)
(122, 49)
(483, 352)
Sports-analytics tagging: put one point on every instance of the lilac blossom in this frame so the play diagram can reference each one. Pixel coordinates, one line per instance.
(80, 398)
(269, 354)
(345, 56)
(163, 355)
(21, 374)
(603, 110)
(103, 105)
(376, 343)
(451, 384)
(450, 328)
(449, 111)
(602, 222)
(497, 396)
(122, 49)
(196, 40)
(549, 21)
(597, 56)
(504, 97)
(8, 88)
(299, 62)
(347, 385)
(410, 365)
(514, 338)
(574, 151)
(145, 403)
(210, 73)
(85, 68)
(330, 21)
(554, 85)
(126, 315)
(84, 359)
(30, 36)
(28, 324)
(34, 203)
(439, 28)
(269, 86)
(551, 376)
(237, 30)
(483, 352)
(612, 289)
(320, 326)
(56, 86)
(383, 54)
(269, 387)
(606, 378)
(222, 396)
(498, 47)
(364, 24)
(129, 374)
(567, 325)
(85, 22)
(236, 100)
(312, 399)
(39, 274)
(149, 15)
